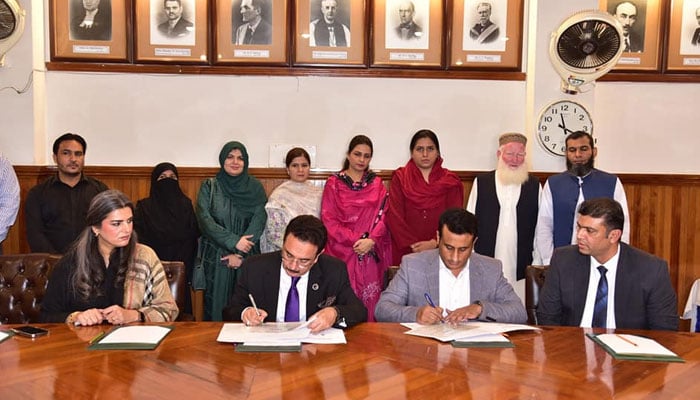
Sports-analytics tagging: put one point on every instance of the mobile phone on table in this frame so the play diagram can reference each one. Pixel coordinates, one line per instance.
(29, 331)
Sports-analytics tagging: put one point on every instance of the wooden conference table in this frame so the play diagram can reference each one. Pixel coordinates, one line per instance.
(379, 361)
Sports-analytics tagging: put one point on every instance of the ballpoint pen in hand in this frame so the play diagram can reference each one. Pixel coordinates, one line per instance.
(255, 306)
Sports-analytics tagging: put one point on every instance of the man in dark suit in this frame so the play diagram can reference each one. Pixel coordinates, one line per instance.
(626, 13)
(254, 30)
(324, 293)
(175, 26)
(408, 29)
(92, 20)
(601, 282)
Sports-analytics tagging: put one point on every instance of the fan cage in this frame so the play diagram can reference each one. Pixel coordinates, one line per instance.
(590, 43)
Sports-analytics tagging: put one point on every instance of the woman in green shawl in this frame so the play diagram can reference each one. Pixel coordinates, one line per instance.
(231, 214)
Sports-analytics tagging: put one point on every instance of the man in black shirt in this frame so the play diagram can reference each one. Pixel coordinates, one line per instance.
(55, 209)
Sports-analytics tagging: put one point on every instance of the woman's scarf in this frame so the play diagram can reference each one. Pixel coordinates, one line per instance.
(246, 191)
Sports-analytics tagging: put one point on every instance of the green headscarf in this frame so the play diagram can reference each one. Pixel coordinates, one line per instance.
(246, 191)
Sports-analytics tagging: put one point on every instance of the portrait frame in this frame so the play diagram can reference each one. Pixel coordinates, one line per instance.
(307, 54)
(651, 13)
(682, 55)
(385, 53)
(152, 46)
(227, 51)
(66, 44)
(470, 51)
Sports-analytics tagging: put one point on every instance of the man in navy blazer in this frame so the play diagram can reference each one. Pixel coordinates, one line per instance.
(324, 291)
(460, 284)
(639, 294)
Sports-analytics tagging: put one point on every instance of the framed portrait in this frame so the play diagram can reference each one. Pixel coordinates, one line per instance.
(251, 31)
(407, 33)
(486, 34)
(330, 32)
(172, 30)
(89, 29)
(641, 24)
(684, 36)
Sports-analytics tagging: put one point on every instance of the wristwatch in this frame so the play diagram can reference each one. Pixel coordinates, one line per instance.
(142, 317)
(478, 303)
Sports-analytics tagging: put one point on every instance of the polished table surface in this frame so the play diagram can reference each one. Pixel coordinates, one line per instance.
(379, 361)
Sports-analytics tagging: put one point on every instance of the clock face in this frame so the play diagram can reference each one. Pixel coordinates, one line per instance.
(558, 120)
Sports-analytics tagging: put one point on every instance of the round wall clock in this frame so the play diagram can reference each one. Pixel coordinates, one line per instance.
(558, 120)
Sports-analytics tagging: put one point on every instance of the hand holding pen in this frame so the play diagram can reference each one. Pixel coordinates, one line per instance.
(430, 313)
(253, 315)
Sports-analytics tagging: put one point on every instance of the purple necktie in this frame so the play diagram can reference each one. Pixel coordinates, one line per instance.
(291, 311)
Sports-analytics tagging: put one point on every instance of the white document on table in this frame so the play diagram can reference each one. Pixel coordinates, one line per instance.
(151, 334)
(450, 332)
(278, 333)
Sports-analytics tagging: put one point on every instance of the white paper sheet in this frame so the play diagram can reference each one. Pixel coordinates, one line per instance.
(151, 334)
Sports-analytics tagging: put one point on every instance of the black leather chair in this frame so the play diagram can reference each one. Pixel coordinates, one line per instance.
(534, 279)
(23, 282)
(389, 275)
(176, 275)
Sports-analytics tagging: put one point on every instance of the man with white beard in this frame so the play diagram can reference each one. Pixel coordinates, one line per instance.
(505, 202)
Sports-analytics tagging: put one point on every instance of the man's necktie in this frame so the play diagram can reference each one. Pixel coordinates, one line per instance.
(248, 36)
(627, 44)
(291, 311)
(600, 309)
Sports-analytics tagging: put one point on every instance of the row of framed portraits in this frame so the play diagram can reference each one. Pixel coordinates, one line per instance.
(481, 34)
(423, 33)
(658, 32)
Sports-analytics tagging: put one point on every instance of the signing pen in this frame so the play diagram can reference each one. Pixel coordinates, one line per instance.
(255, 306)
(429, 300)
(97, 337)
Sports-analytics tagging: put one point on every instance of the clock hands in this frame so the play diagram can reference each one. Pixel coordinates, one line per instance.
(563, 126)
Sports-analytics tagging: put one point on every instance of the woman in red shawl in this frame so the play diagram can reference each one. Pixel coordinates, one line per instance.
(354, 202)
(419, 192)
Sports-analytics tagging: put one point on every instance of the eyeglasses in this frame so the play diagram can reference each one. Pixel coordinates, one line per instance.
(302, 262)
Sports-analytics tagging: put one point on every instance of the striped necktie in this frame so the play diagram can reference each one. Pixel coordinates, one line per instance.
(600, 309)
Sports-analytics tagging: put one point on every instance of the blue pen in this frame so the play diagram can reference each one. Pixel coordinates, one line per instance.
(430, 300)
(431, 303)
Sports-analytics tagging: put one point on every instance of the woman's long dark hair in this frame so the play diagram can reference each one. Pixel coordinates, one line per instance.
(89, 268)
(356, 141)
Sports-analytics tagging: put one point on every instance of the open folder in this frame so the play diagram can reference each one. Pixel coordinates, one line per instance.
(632, 347)
(136, 337)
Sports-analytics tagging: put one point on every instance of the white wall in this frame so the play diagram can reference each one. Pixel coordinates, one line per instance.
(141, 119)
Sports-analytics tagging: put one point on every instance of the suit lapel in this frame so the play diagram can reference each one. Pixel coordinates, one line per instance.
(623, 284)
(271, 286)
(581, 275)
(313, 291)
(432, 276)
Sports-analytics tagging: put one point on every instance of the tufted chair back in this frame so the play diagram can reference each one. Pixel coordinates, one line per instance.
(23, 280)
(534, 280)
(176, 275)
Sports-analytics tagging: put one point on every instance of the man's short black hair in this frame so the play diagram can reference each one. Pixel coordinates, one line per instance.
(459, 221)
(66, 137)
(607, 209)
(309, 229)
(579, 135)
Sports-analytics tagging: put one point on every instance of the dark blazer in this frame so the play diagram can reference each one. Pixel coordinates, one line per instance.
(414, 31)
(328, 285)
(101, 28)
(644, 297)
(262, 34)
(636, 42)
(695, 41)
(180, 29)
